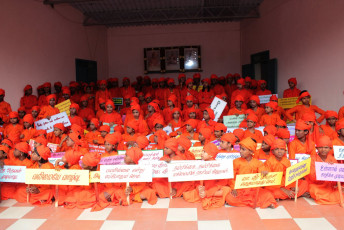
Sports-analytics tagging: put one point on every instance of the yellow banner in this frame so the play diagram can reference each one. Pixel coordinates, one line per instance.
(94, 176)
(64, 106)
(298, 171)
(257, 180)
(54, 177)
(197, 151)
(290, 102)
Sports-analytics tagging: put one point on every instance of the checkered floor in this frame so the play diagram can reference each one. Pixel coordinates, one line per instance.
(173, 214)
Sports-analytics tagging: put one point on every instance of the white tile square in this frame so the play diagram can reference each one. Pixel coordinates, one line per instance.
(162, 203)
(313, 223)
(118, 225)
(99, 215)
(310, 201)
(8, 203)
(182, 214)
(278, 213)
(27, 224)
(15, 212)
(214, 224)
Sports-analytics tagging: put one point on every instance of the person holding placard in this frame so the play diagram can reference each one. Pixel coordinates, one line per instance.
(278, 162)
(247, 164)
(292, 91)
(208, 120)
(254, 104)
(339, 140)
(252, 120)
(111, 116)
(237, 109)
(190, 127)
(13, 126)
(306, 107)
(227, 142)
(48, 110)
(39, 194)
(323, 192)
(270, 117)
(29, 131)
(20, 158)
(140, 190)
(212, 193)
(301, 143)
(329, 128)
(265, 151)
(204, 137)
(159, 138)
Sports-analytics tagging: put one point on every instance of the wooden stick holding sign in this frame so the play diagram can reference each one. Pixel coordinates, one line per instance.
(96, 190)
(56, 196)
(340, 194)
(170, 188)
(296, 190)
(28, 194)
(128, 195)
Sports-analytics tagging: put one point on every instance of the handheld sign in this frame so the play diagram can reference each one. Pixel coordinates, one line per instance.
(117, 100)
(233, 121)
(97, 148)
(64, 106)
(125, 173)
(53, 177)
(200, 170)
(227, 156)
(290, 102)
(297, 171)
(94, 176)
(112, 160)
(329, 172)
(265, 98)
(197, 152)
(301, 156)
(257, 180)
(152, 155)
(14, 174)
(159, 168)
(48, 125)
(338, 152)
(218, 105)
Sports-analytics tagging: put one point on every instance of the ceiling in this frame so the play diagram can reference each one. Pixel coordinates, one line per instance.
(117, 13)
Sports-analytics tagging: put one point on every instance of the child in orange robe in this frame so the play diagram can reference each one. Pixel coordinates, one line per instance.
(138, 115)
(323, 192)
(104, 130)
(132, 128)
(252, 120)
(204, 137)
(329, 129)
(176, 121)
(29, 132)
(213, 193)
(190, 127)
(138, 191)
(238, 109)
(265, 151)
(74, 118)
(14, 126)
(227, 142)
(278, 162)
(270, 117)
(208, 122)
(247, 164)
(111, 116)
(255, 106)
(339, 140)
(219, 130)
(93, 134)
(292, 91)
(206, 95)
(48, 110)
(39, 194)
(270, 130)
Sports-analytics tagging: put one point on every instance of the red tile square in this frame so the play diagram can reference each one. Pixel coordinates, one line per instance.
(5, 223)
(45, 212)
(181, 225)
(282, 224)
(150, 224)
(212, 214)
(152, 214)
(336, 221)
(301, 209)
(123, 213)
(71, 224)
(181, 203)
(3, 209)
(244, 218)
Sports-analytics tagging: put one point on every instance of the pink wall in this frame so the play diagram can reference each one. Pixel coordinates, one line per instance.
(307, 39)
(40, 44)
(220, 45)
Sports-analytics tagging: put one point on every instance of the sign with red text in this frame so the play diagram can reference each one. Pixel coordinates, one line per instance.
(15, 174)
(51, 146)
(112, 160)
(125, 173)
(257, 180)
(159, 169)
(152, 155)
(200, 170)
(329, 172)
(54, 177)
(94, 176)
(97, 148)
(218, 105)
(297, 171)
(197, 152)
(48, 125)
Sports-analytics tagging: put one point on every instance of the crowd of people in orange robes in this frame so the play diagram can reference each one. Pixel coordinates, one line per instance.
(150, 105)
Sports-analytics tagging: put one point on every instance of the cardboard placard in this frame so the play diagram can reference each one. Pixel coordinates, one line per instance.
(118, 100)
(266, 98)
(257, 180)
(218, 105)
(167, 129)
(329, 172)
(290, 102)
(96, 148)
(200, 170)
(197, 152)
(94, 176)
(14, 174)
(152, 155)
(51, 146)
(54, 177)
(112, 160)
(338, 152)
(159, 168)
(298, 171)
(54, 119)
(64, 106)
(227, 156)
(301, 156)
(125, 173)
(233, 121)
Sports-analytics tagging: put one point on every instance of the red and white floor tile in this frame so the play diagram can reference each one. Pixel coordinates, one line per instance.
(173, 214)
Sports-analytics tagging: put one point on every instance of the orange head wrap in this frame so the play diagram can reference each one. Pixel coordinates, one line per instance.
(5, 149)
(249, 144)
(155, 106)
(176, 110)
(134, 100)
(173, 98)
(239, 133)
(13, 114)
(51, 96)
(206, 133)
(91, 159)
(142, 142)
(241, 81)
(189, 98)
(105, 128)
(273, 98)
(192, 122)
(330, 113)
(309, 117)
(60, 126)
(2, 92)
(109, 102)
(72, 157)
(268, 139)
(278, 144)
(95, 121)
(283, 133)
(324, 141)
(112, 139)
(239, 98)
(7, 142)
(134, 124)
(172, 144)
(119, 129)
(304, 94)
(281, 123)
(271, 130)
(21, 109)
(42, 140)
(301, 125)
(158, 120)
(184, 142)
(293, 80)
(248, 79)
(75, 138)
(101, 101)
(75, 106)
(210, 112)
(252, 117)
(135, 154)
(28, 118)
(162, 137)
(135, 106)
(220, 126)
(83, 98)
(44, 152)
(255, 98)
(75, 128)
(65, 90)
(188, 81)
(340, 125)
(229, 137)
(22, 147)
(211, 149)
(272, 105)
(35, 108)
